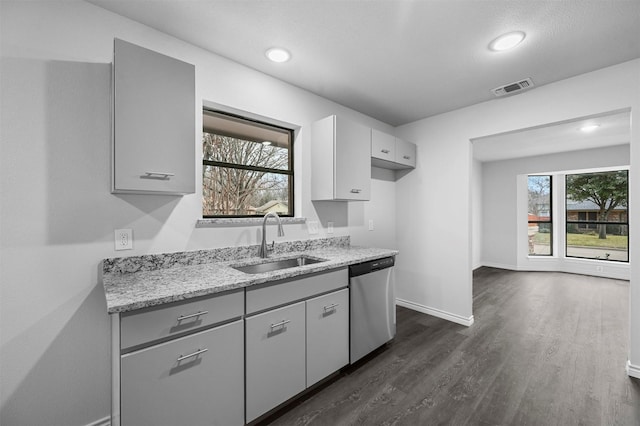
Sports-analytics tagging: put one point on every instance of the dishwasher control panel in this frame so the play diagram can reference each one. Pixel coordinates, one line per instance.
(371, 266)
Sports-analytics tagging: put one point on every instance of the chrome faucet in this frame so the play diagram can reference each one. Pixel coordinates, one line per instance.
(264, 251)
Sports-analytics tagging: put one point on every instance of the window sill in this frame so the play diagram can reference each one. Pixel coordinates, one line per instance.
(221, 222)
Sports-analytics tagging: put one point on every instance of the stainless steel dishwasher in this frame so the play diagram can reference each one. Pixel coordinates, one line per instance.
(372, 303)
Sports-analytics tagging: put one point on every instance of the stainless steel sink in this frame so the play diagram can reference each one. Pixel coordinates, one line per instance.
(275, 265)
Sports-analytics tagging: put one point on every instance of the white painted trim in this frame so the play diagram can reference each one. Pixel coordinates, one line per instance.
(633, 370)
(613, 270)
(106, 421)
(458, 319)
(115, 369)
(499, 266)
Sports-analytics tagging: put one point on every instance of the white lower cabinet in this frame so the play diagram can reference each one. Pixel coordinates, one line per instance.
(193, 380)
(275, 358)
(230, 358)
(327, 335)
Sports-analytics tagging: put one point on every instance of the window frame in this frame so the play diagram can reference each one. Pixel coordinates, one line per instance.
(550, 222)
(586, 223)
(290, 171)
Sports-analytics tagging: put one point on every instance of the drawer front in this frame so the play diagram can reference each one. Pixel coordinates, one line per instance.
(383, 146)
(327, 335)
(267, 296)
(405, 153)
(205, 389)
(151, 324)
(275, 358)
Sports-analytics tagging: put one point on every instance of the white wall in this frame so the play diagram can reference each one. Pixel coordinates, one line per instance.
(501, 227)
(381, 210)
(476, 213)
(434, 207)
(58, 217)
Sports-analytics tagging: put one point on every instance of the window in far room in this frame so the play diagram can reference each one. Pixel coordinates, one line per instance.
(540, 221)
(597, 215)
(247, 167)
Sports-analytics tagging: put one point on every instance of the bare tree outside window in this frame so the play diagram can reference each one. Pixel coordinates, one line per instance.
(247, 168)
(539, 215)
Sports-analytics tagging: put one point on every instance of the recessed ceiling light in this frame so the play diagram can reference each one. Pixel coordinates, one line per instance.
(589, 127)
(507, 41)
(277, 54)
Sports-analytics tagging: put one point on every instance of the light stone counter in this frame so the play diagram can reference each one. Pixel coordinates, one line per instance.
(137, 282)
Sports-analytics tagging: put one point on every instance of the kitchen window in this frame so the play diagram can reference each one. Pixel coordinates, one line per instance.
(597, 216)
(540, 220)
(247, 167)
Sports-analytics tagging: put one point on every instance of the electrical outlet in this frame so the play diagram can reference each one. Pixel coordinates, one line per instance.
(329, 227)
(312, 227)
(370, 224)
(123, 239)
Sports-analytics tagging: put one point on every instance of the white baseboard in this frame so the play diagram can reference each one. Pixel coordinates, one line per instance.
(106, 421)
(499, 266)
(633, 370)
(458, 319)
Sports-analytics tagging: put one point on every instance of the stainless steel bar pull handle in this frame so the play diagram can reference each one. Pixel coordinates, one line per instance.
(280, 324)
(356, 190)
(197, 314)
(196, 353)
(331, 307)
(384, 151)
(158, 175)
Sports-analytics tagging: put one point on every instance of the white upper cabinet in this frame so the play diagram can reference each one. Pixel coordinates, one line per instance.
(154, 122)
(390, 152)
(405, 153)
(383, 146)
(340, 160)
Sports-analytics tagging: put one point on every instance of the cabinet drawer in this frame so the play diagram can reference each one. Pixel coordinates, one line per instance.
(383, 146)
(155, 323)
(208, 388)
(327, 335)
(267, 296)
(275, 358)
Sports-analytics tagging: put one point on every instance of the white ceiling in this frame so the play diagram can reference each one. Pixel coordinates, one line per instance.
(615, 129)
(400, 61)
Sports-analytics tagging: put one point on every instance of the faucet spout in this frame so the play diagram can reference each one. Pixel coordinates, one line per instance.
(263, 246)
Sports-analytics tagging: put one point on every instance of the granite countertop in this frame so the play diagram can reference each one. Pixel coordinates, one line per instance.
(134, 284)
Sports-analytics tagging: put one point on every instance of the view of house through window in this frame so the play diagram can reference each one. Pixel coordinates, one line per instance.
(597, 216)
(540, 229)
(247, 167)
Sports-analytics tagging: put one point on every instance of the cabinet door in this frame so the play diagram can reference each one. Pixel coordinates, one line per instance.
(275, 358)
(327, 335)
(154, 122)
(171, 384)
(405, 153)
(352, 161)
(383, 146)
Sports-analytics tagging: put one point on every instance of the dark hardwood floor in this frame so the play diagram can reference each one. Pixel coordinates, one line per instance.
(546, 349)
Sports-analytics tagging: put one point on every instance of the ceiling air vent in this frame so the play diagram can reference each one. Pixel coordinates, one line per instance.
(514, 87)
